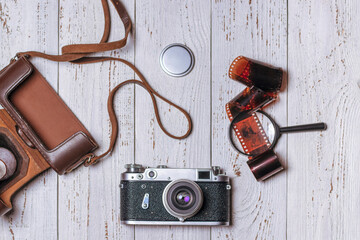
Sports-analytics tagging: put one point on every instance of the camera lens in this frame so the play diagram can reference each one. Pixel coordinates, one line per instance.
(182, 198)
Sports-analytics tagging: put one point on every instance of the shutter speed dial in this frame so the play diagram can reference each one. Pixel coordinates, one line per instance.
(134, 168)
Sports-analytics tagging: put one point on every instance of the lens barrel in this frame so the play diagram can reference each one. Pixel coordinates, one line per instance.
(182, 198)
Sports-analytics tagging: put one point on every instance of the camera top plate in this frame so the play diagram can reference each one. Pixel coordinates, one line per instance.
(136, 172)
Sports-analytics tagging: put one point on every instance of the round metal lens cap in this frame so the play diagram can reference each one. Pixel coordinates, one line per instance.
(177, 60)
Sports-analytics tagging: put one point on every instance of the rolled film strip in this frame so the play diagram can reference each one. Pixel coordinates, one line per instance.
(253, 73)
(240, 70)
(263, 83)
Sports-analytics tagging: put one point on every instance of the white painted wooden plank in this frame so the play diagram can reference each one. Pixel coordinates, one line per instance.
(31, 25)
(323, 186)
(159, 23)
(255, 29)
(323, 85)
(89, 198)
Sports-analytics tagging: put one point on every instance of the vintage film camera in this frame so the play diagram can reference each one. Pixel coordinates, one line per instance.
(172, 196)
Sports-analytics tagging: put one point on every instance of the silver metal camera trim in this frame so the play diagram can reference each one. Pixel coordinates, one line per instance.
(177, 223)
(181, 217)
(145, 202)
(172, 174)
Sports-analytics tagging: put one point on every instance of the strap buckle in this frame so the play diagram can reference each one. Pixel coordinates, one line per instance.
(89, 159)
(15, 58)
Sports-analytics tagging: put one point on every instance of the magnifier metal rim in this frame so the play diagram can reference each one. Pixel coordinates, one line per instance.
(276, 137)
(161, 59)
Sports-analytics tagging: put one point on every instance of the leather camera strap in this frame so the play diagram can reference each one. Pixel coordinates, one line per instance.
(77, 54)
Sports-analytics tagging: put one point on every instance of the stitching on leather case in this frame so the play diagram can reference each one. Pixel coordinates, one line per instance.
(69, 139)
(23, 120)
(4, 69)
(23, 123)
(27, 73)
(64, 105)
(12, 86)
(44, 153)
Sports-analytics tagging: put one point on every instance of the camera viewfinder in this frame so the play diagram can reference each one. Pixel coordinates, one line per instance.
(204, 175)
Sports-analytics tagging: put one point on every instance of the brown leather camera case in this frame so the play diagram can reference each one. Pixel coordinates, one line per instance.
(37, 127)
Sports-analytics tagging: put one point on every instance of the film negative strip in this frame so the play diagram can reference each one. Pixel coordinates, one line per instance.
(263, 83)
(250, 133)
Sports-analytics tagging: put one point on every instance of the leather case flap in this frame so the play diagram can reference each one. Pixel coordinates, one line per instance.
(44, 120)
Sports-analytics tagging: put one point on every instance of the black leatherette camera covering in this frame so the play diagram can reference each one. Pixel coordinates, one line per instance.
(215, 206)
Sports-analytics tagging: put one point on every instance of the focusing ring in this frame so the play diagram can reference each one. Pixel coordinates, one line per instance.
(171, 208)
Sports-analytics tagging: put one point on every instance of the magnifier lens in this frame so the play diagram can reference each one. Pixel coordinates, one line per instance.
(267, 126)
(254, 135)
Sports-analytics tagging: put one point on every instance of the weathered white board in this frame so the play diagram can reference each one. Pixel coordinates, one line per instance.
(324, 85)
(314, 42)
(157, 25)
(256, 29)
(89, 198)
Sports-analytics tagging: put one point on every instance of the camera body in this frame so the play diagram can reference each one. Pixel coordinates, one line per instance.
(173, 196)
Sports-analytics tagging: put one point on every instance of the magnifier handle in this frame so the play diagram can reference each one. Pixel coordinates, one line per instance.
(303, 128)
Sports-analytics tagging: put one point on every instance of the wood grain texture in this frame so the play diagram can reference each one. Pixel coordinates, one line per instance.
(255, 29)
(323, 186)
(315, 42)
(89, 198)
(158, 25)
(31, 25)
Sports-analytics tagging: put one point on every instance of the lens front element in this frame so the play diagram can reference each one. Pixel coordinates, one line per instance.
(182, 198)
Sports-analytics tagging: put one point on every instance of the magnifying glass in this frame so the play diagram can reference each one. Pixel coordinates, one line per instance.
(258, 132)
